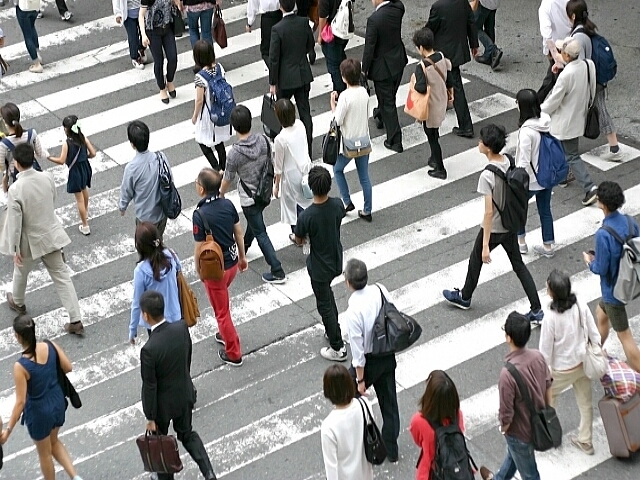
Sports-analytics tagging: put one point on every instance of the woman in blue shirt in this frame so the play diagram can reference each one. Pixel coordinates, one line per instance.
(156, 270)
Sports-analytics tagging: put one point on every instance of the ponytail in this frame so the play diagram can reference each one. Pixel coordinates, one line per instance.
(579, 9)
(11, 116)
(25, 328)
(71, 126)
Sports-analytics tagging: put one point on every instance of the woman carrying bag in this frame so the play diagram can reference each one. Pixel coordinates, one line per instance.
(291, 164)
(562, 343)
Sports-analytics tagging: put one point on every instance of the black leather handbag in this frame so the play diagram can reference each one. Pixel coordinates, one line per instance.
(331, 144)
(68, 389)
(592, 127)
(270, 123)
(374, 448)
(177, 21)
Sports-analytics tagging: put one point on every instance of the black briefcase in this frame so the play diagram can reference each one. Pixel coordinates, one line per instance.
(270, 123)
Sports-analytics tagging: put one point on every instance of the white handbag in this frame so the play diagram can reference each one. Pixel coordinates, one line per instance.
(594, 362)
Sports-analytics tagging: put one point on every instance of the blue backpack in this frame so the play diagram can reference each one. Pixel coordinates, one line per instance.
(602, 57)
(221, 100)
(552, 164)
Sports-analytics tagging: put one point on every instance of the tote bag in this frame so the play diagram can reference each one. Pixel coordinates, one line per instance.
(594, 362)
(417, 104)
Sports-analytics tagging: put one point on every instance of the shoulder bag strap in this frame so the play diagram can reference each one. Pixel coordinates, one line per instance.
(437, 69)
(58, 366)
(524, 391)
(613, 233)
(591, 100)
(75, 159)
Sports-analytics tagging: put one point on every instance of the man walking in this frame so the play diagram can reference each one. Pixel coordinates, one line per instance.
(270, 14)
(514, 415)
(485, 15)
(246, 159)
(32, 232)
(140, 181)
(224, 225)
(492, 232)
(383, 61)
(319, 224)
(289, 72)
(168, 394)
(364, 305)
(454, 28)
(605, 262)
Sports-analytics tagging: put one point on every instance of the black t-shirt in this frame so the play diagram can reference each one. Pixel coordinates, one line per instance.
(328, 9)
(221, 216)
(321, 223)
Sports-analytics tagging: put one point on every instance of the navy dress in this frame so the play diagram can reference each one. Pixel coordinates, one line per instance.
(80, 173)
(45, 406)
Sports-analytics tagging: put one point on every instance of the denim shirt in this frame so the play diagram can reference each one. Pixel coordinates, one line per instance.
(608, 252)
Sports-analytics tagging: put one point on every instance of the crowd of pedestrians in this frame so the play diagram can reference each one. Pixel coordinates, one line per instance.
(450, 38)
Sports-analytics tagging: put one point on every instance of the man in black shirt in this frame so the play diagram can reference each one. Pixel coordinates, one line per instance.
(320, 222)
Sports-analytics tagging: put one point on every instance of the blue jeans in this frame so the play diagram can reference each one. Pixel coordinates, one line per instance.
(543, 202)
(133, 37)
(257, 229)
(27, 23)
(334, 55)
(572, 154)
(486, 25)
(362, 165)
(520, 457)
(205, 17)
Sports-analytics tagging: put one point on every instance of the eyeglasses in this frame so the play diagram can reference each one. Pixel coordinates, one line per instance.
(503, 329)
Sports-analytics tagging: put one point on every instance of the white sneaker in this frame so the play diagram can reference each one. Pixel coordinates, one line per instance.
(66, 16)
(36, 68)
(40, 13)
(334, 355)
(84, 230)
(613, 157)
(137, 65)
(523, 248)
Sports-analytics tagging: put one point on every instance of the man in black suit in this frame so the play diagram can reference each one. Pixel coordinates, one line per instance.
(289, 73)
(168, 394)
(454, 29)
(383, 61)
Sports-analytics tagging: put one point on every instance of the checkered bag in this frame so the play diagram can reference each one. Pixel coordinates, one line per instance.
(620, 381)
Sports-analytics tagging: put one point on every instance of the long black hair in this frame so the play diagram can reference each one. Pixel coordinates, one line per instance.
(579, 9)
(528, 104)
(562, 298)
(68, 123)
(150, 247)
(25, 327)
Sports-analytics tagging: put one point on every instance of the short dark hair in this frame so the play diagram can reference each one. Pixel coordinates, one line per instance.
(356, 274)
(518, 327)
(559, 284)
(610, 195)
(288, 5)
(319, 181)
(152, 303)
(494, 137)
(241, 119)
(440, 399)
(203, 54)
(528, 104)
(138, 135)
(286, 112)
(350, 69)
(338, 385)
(24, 155)
(423, 38)
(210, 181)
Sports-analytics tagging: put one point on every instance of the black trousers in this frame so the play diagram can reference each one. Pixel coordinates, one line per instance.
(301, 94)
(460, 101)
(328, 310)
(381, 373)
(386, 91)
(267, 21)
(189, 439)
(219, 163)
(548, 82)
(62, 6)
(433, 137)
(508, 241)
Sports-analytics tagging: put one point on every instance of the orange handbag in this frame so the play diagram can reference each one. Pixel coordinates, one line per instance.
(417, 104)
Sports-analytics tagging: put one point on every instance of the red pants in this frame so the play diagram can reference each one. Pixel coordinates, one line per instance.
(218, 293)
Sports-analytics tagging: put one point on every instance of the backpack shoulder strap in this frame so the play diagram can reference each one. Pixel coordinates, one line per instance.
(496, 171)
(631, 234)
(207, 228)
(29, 135)
(8, 143)
(524, 391)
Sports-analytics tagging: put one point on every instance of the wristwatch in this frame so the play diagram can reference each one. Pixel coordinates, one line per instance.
(360, 381)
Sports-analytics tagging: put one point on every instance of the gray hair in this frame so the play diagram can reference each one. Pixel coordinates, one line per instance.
(356, 274)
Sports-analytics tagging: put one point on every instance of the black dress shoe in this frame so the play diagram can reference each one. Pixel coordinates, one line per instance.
(462, 133)
(365, 216)
(349, 207)
(495, 58)
(172, 94)
(165, 101)
(312, 57)
(210, 476)
(396, 147)
(483, 60)
(379, 123)
(440, 174)
(431, 162)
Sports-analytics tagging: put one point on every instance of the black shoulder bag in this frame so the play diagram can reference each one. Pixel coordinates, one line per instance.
(546, 431)
(374, 447)
(68, 389)
(592, 126)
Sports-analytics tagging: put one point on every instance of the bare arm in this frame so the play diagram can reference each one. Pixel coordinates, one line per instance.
(198, 104)
(63, 155)
(91, 150)
(65, 363)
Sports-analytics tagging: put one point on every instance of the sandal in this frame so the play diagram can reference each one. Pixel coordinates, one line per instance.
(292, 237)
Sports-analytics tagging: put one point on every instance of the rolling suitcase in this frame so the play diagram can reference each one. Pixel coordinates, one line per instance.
(622, 424)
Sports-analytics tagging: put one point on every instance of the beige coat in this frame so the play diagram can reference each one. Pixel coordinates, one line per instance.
(31, 227)
(438, 95)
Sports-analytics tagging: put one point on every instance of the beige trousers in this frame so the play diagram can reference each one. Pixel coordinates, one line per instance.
(59, 276)
(577, 379)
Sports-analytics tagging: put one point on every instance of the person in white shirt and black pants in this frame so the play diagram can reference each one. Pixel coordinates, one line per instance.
(270, 14)
(380, 371)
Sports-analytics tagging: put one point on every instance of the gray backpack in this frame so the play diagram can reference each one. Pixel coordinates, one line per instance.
(627, 285)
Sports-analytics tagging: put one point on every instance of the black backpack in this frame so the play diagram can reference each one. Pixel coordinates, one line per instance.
(516, 195)
(169, 197)
(452, 460)
(262, 195)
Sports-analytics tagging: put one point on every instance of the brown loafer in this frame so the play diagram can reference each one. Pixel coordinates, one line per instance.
(75, 328)
(21, 309)
(485, 473)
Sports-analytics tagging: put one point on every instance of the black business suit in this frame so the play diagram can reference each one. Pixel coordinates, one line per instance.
(289, 70)
(168, 394)
(383, 61)
(454, 29)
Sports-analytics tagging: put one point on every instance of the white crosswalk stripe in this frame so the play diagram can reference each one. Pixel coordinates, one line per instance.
(256, 418)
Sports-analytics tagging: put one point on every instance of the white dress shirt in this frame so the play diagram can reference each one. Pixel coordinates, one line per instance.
(260, 6)
(554, 22)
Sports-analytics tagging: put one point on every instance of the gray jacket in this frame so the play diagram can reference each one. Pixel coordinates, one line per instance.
(141, 184)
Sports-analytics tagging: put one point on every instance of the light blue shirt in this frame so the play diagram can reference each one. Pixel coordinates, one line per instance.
(140, 184)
